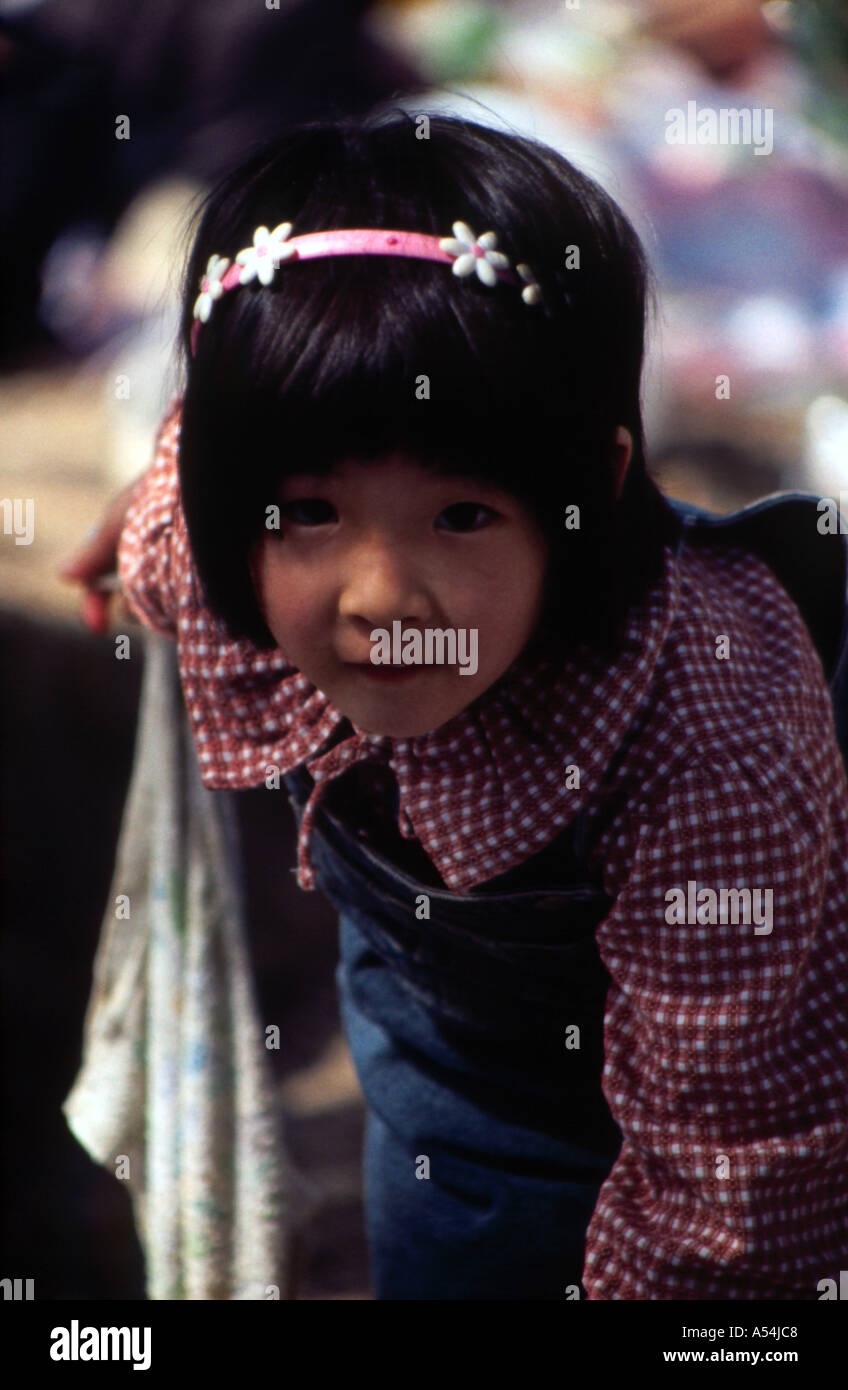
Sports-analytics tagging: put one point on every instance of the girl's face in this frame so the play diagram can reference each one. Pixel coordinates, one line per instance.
(377, 543)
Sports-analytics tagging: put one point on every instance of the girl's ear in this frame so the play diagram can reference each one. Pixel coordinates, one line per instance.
(621, 456)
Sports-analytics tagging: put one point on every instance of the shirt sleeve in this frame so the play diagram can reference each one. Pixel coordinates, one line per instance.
(726, 1065)
(152, 544)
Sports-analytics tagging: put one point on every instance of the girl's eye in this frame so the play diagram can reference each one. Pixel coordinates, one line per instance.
(466, 516)
(309, 511)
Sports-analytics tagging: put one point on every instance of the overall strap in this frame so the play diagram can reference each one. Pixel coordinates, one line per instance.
(784, 530)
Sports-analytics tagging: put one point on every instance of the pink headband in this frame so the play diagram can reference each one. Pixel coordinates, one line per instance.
(466, 253)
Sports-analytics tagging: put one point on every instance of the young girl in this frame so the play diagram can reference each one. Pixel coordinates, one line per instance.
(411, 430)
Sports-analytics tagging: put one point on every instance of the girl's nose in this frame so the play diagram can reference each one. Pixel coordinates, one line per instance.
(382, 585)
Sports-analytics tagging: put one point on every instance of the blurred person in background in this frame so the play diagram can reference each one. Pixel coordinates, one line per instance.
(199, 81)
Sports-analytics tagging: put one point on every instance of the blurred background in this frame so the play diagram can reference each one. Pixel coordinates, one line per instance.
(113, 120)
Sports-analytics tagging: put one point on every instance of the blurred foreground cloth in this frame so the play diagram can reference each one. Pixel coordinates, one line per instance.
(174, 1074)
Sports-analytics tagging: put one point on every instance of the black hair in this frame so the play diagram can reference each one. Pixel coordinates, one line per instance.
(327, 361)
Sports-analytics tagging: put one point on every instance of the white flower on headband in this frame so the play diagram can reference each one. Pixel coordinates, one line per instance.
(531, 293)
(262, 258)
(474, 253)
(210, 286)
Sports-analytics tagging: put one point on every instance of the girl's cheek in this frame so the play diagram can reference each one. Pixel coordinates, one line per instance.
(269, 584)
(256, 564)
(291, 604)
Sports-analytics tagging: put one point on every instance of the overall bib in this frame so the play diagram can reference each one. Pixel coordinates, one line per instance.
(477, 1038)
(477, 1032)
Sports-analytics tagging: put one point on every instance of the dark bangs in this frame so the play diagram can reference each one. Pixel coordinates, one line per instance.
(355, 357)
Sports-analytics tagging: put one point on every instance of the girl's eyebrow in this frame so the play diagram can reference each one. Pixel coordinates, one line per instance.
(304, 477)
(441, 482)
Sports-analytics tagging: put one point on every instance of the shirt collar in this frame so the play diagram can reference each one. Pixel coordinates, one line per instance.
(483, 791)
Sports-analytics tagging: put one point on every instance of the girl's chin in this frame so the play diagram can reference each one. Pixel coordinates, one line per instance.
(386, 726)
(386, 717)
(405, 703)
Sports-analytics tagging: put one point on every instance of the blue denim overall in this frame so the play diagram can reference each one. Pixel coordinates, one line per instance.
(487, 1135)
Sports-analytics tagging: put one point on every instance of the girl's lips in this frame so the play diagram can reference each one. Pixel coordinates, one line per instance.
(386, 673)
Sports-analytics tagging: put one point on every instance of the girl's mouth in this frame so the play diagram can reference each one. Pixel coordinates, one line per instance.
(385, 672)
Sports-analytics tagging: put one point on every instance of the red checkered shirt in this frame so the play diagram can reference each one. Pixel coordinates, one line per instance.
(726, 1047)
